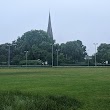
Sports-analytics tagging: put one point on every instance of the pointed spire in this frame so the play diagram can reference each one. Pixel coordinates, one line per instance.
(49, 29)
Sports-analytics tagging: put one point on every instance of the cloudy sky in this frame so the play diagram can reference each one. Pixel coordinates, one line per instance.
(85, 20)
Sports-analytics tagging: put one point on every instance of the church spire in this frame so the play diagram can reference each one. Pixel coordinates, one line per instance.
(49, 29)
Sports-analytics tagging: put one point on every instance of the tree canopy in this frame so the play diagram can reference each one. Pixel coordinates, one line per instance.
(39, 47)
(74, 51)
(103, 53)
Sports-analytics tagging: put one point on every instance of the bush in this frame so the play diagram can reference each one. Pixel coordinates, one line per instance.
(31, 62)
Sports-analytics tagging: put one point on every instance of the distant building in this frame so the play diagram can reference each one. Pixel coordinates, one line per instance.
(49, 29)
(50, 34)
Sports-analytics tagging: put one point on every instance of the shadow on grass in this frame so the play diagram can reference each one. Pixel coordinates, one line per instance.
(20, 101)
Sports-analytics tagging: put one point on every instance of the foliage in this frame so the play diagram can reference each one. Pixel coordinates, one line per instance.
(31, 62)
(103, 53)
(74, 51)
(3, 53)
(39, 46)
(36, 42)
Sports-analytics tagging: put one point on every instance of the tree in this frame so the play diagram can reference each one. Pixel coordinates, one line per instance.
(103, 53)
(36, 42)
(74, 51)
(3, 53)
(39, 47)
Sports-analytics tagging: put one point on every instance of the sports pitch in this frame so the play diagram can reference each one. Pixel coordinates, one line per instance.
(90, 87)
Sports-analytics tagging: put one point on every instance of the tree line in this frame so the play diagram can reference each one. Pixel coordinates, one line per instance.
(38, 46)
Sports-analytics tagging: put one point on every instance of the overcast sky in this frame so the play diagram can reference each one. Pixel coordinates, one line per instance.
(85, 20)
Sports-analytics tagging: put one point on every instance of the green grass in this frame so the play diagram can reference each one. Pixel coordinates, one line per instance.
(83, 88)
(19, 101)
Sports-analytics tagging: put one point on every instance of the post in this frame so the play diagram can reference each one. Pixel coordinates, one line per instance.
(88, 57)
(52, 54)
(88, 60)
(9, 45)
(95, 54)
(57, 56)
(26, 57)
(9, 55)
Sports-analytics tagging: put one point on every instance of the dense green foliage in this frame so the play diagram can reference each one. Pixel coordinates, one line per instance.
(36, 43)
(103, 53)
(88, 86)
(39, 47)
(74, 51)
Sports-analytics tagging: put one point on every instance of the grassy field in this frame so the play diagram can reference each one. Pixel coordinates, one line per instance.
(55, 88)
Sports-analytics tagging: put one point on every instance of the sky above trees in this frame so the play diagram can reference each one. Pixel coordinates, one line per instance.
(85, 20)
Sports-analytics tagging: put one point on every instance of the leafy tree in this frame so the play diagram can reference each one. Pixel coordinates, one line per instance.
(39, 47)
(36, 42)
(3, 53)
(103, 53)
(74, 51)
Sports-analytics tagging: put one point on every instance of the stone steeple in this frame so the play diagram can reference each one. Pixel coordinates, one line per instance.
(49, 29)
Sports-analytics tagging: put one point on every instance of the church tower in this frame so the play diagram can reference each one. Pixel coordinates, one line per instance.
(49, 29)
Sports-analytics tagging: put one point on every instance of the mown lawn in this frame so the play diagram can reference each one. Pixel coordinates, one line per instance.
(55, 88)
